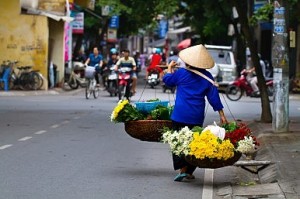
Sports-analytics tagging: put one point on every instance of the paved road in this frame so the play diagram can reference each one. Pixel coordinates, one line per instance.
(64, 146)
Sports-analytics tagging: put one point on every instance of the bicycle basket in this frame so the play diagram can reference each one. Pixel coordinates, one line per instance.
(89, 72)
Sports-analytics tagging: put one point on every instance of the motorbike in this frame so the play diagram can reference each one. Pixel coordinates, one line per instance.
(236, 89)
(153, 78)
(76, 77)
(111, 80)
(165, 88)
(124, 83)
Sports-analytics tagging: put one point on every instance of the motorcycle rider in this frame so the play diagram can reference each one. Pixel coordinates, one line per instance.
(154, 64)
(252, 78)
(127, 61)
(111, 62)
(174, 57)
(95, 59)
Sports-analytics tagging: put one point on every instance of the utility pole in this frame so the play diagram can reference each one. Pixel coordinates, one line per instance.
(280, 61)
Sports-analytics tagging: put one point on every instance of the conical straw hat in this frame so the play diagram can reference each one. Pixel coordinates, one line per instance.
(197, 56)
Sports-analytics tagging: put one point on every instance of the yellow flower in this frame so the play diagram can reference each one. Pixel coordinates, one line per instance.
(208, 145)
(121, 104)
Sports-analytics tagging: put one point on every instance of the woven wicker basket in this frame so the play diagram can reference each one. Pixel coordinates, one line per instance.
(212, 163)
(147, 130)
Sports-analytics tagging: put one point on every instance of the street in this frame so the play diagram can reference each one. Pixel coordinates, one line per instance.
(64, 146)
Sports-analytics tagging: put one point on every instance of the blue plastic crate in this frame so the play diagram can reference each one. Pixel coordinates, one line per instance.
(147, 107)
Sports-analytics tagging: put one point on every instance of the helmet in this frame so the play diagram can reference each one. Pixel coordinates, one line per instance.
(113, 51)
(158, 51)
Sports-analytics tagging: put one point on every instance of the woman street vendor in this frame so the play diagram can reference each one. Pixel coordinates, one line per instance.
(193, 83)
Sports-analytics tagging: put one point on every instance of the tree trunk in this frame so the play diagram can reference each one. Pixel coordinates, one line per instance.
(241, 6)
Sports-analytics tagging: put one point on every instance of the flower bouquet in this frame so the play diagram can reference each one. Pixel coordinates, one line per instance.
(211, 147)
(145, 126)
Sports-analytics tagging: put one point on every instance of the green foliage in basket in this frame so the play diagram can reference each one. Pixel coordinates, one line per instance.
(124, 112)
(153, 100)
(160, 113)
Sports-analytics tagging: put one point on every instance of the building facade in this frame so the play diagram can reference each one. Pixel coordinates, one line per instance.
(32, 33)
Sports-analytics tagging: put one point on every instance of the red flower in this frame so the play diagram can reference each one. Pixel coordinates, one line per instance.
(239, 133)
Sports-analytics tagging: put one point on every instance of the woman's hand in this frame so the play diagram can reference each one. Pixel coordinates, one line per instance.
(171, 65)
(223, 119)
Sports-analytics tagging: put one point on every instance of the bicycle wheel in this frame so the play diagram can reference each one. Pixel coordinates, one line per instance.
(24, 82)
(88, 90)
(96, 92)
(234, 93)
(34, 81)
(41, 80)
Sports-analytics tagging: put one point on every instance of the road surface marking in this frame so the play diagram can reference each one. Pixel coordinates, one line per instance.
(25, 138)
(5, 146)
(54, 126)
(65, 122)
(208, 184)
(40, 132)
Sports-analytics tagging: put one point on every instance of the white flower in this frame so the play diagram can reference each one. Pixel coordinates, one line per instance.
(246, 145)
(216, 130)
(178, 140)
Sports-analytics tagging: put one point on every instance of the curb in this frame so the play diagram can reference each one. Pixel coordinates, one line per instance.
(55, 91)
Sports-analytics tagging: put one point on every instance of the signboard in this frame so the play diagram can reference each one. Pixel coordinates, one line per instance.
(114, 22)
(258, 4)
(279, 21)
(78, 23)
(162, 28)
(111, 35)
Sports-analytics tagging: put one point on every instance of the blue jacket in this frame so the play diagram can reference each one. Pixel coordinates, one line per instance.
(190, 97)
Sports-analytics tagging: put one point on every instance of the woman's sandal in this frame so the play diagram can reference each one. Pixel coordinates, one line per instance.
(180, 177)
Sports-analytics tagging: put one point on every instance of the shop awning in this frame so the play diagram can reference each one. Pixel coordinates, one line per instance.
(48, 14)
(57, 17)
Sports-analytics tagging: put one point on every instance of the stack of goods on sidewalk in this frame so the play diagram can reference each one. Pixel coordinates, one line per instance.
(143, 120)
(213, 146)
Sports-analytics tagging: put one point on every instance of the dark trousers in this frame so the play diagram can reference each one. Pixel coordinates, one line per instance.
(179, 161)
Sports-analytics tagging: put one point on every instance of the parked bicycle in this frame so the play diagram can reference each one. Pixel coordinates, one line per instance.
(24, 77)
(91, 87)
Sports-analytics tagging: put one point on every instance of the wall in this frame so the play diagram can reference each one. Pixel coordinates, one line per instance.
(56, 46)
(23, 37)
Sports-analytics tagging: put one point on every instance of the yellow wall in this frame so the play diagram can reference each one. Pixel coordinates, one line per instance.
(23, 37)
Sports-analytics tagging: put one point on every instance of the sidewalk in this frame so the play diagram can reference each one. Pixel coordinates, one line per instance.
(280, 180)
(54, 91)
